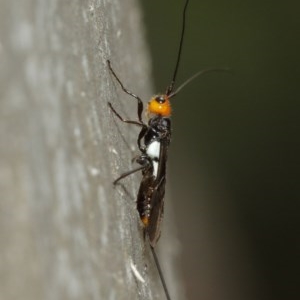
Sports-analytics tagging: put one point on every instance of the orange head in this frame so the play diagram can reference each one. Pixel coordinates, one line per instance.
(160, 105)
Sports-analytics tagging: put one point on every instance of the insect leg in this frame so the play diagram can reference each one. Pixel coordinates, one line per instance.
(140, 105)
(142, 160)
(143, 130)
(128, 173)
(124, 120)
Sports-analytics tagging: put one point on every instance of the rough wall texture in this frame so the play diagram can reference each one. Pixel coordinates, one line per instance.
(65, 232)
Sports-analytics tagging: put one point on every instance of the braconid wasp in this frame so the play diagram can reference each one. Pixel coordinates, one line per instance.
(153, 142)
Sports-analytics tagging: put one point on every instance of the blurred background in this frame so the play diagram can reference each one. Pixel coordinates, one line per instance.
(234, 158)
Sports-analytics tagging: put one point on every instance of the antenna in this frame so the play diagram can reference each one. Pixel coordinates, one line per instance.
(200, 73)
(171, 86)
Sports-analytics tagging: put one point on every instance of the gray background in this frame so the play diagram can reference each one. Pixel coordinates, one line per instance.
(65, 232)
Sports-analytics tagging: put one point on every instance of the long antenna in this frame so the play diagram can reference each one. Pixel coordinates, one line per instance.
(171, 86)
(162, 279)
(195, 76)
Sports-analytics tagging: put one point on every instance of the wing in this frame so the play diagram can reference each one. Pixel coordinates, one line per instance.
(156, 212)
(144, 197)
(157, 197)
(150, 200)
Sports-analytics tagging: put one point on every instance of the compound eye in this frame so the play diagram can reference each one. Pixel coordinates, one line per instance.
(160, 99)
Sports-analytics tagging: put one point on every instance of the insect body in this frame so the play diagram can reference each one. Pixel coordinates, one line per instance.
(153, 142)
(150, 198)
(155, 137)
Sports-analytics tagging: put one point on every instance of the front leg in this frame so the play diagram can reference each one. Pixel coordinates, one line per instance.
(140, 105)
(141, 124)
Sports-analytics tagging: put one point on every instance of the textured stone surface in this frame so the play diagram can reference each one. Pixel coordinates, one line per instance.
(65, 232)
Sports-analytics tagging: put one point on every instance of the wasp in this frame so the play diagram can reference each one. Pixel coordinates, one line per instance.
(153, 142)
